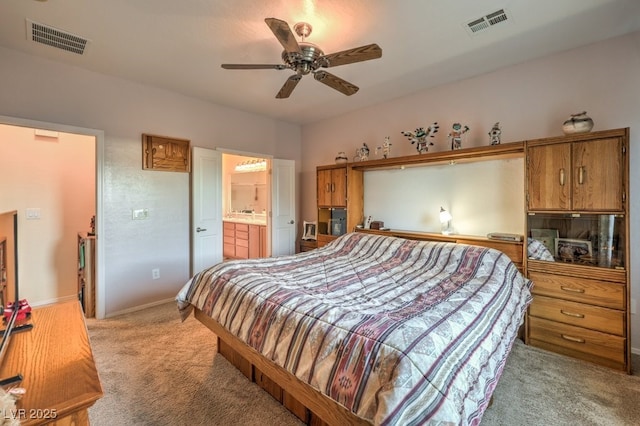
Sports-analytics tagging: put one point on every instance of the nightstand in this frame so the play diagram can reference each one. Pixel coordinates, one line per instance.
(307, 245)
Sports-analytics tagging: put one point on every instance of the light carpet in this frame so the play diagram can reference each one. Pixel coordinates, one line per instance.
(156, 370)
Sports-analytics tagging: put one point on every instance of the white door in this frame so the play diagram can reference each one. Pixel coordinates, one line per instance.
(283, 207)
(206, 208)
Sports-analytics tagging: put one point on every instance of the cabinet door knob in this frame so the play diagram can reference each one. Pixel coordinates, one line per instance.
(198, 229)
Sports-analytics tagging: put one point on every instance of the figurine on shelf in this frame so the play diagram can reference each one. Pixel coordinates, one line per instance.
(421, 137)
(385, 148)
(494, 134)
(578, 123)
(362, 153)
(341, 158)
(456, 133)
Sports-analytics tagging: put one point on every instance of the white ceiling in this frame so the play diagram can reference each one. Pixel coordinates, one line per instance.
(179, 45)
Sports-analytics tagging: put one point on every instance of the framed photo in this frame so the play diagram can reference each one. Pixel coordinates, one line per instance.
(572, 250)
(547, 237)
(310, 230)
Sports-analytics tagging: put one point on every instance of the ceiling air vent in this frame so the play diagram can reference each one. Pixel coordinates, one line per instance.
(486, 22)
(54, 37)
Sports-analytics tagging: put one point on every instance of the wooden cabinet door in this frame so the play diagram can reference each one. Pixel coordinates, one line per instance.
(323, 181)
(549, 177)
(597, 175)
(339, 187)
(254, 241)
(263, 241)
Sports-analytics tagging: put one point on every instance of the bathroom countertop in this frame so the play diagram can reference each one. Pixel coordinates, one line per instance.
(252, 219)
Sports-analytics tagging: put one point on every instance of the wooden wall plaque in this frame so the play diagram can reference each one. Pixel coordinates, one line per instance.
(165, 154)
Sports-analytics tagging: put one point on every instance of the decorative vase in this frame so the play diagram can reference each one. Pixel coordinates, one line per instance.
(578, 123)
(341, 158)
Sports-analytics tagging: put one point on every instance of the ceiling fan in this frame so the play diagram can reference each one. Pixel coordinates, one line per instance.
(304, 58)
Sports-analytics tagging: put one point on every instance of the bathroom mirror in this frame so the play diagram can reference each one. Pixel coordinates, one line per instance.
(249, 192)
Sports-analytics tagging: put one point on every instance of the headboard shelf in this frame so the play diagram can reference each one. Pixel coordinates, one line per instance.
(513, 249)
(491, 152)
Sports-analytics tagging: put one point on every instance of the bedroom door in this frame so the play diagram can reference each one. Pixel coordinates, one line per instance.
(206, 210)
(283, 207)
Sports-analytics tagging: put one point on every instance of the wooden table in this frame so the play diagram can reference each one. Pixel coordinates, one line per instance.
(56, 362)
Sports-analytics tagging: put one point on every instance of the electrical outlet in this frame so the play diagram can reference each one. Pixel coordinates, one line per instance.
(155, 274)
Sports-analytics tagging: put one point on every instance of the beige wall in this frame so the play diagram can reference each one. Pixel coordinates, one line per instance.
(56, 176)
(530, 100)
(51, 92)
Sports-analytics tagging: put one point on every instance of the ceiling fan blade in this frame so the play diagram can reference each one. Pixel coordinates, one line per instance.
(253, 66)
(334, 82)
(349, 56)
(288, 86)
(283, 33)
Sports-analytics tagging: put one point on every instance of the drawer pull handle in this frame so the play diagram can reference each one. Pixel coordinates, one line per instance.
(572, 339)
(581, 175)
(572, 290)
(561, 177)
(571, 314)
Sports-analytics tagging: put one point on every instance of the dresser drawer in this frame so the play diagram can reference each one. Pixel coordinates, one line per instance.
(242, 235)
(610, 295)
(228, 239)
(578, 314)
(242, 252)
(228, 226)
(593, 344)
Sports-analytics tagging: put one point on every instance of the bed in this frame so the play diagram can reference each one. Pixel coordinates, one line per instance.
(388, 330)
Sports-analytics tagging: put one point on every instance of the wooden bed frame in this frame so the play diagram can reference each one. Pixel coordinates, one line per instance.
(305, 402)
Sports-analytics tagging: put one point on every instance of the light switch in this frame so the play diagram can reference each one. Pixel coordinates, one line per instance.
(32, 213)
(139, 214)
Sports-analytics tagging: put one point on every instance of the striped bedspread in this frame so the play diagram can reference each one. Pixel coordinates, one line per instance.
(400, 332)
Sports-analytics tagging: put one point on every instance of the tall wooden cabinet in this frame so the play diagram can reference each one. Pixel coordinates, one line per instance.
(3, 271)
(340, 200)
(578, 257)
(87, 273)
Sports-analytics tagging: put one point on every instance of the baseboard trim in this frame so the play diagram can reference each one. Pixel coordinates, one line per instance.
(53, 301)
(140, 307)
